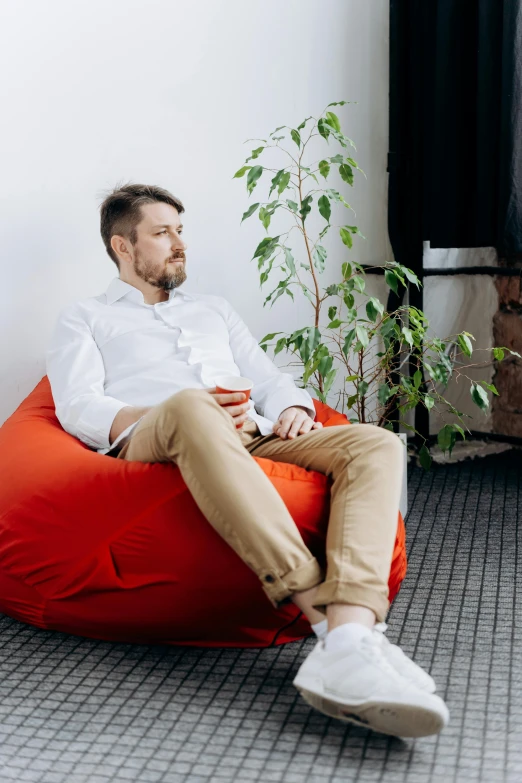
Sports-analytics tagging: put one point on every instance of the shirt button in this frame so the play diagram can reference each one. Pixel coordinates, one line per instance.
(269, 578)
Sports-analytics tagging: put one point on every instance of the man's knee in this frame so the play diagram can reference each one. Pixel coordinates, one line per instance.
(187, 399)
(382, 441)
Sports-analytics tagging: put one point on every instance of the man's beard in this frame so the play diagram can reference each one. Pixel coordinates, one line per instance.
(169, 278)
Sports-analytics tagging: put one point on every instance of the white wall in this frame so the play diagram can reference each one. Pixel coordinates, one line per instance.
(165, 92)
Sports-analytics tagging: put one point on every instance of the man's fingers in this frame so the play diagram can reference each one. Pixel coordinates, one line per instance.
(229, 398)
(236, 410)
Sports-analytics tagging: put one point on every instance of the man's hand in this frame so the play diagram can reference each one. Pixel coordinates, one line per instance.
(238, 412)
(295, 421)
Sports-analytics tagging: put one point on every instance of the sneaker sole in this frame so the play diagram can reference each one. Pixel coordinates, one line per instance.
(395, 718)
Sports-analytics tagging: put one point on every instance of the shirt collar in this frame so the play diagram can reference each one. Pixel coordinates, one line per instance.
(118, 289)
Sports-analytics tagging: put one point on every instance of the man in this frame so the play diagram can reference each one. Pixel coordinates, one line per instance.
(133, 374)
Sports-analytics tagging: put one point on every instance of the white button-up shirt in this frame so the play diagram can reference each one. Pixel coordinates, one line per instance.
(113, 350)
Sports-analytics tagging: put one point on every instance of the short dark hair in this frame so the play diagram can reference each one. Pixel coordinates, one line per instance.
(120, 211)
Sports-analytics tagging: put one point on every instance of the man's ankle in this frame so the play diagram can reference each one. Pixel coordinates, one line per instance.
(341, 614)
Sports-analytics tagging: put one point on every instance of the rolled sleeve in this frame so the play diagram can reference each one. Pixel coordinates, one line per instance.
(76, 373)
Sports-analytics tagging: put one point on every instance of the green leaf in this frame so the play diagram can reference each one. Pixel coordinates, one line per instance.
(281, 343)
(346, 270)
(352, 378)
(446, 438)
(465, 344)
(289, 259)
(498, 353)
(329, 379)
(319, 255)
(348, 341)
(491, 387)
(417, 379)
(301, 126)
(334, 324)
(256, 153)
(325, 208)
(346, 237)
(412, 277)
(253, 176)
(338, 103)
(362, 335)
(337, 159)
(276, 180)
(241, 171)
(283, 182)
(407, 336)
(337, 197)
(268, 337)
(371, 310)
(479, 397)
(346, 173)
(323, 129)
(332, 312)
(429, 402)
(264, 217)
(250, 211)
(359, 283)
(350, 402)
(332, 290)
(305, 207)
(333, 120)
(459, 429)
(383, 394)
(296, 136)
(425, 457)
(265, 244)
(391, 280)
(324, 168)
(292, 204)
(362, 388)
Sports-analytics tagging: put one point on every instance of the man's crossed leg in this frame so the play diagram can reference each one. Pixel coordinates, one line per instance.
(353, 673)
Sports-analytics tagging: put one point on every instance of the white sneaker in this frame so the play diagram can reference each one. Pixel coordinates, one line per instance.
(402, 663)
(359, 685)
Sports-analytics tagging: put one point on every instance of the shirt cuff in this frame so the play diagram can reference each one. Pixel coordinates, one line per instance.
(94, 425)
(288, 399)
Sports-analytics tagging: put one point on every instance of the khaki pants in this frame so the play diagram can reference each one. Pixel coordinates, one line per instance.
(191, 430)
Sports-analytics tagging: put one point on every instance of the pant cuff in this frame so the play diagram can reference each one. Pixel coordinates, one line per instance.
(280, 588)
(336, 592)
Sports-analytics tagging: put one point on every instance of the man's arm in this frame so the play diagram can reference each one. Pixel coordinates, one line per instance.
(274, 391)
(76, 373)
(124, 419)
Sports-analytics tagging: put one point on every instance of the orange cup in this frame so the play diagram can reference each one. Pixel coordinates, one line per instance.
(230, 384)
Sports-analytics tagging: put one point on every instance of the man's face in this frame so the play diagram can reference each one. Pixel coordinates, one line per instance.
(159, 252)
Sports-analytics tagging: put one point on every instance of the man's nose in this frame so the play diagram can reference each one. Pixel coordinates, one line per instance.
(179, 244)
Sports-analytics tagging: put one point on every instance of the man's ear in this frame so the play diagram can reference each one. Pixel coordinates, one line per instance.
(120, 246)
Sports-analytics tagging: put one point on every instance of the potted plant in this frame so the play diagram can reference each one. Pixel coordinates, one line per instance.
(374, 360)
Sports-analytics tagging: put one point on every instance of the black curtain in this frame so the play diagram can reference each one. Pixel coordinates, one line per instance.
(455, 150)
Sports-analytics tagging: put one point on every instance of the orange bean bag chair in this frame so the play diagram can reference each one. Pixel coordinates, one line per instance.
(116, 550)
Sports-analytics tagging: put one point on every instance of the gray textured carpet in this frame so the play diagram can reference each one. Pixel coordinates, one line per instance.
(79, 711)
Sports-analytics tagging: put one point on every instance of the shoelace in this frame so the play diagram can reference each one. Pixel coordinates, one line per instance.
(374, 649)
(410, 671)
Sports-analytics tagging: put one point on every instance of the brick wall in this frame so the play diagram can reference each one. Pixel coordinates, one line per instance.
(507, 331)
